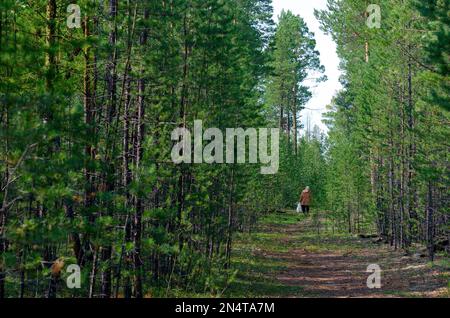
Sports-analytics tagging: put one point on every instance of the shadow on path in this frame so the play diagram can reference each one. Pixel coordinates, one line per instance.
(289, 260)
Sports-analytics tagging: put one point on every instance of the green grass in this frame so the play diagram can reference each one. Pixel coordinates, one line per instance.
(260, 257)
(255, 272)
(281, 218)
(401, 294)
(255, 277)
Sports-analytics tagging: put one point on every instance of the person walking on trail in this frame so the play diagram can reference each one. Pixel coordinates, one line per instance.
(305, 200)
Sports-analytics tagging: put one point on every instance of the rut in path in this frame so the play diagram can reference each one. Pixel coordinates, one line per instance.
(333, 266)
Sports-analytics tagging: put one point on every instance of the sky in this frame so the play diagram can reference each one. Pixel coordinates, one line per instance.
(322, 92)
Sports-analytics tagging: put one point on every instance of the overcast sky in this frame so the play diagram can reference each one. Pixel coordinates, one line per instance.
(323, 92)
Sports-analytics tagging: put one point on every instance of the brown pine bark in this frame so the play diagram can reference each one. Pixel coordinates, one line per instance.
(50, 64)
(108, 179)
(294, 114)
(430, 221)
(230, 221)
(140, 124)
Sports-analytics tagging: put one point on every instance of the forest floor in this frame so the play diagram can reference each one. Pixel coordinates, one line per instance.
(287, 257)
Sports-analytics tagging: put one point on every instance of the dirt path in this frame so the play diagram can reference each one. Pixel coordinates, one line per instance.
(311, 265)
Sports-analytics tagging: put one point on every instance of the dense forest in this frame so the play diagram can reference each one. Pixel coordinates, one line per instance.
(88, 103)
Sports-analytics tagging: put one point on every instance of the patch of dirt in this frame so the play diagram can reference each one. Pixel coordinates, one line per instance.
(342, 273)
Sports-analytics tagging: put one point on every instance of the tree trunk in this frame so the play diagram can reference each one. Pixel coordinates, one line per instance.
(230, 221)
(430, 221)
(139, 151)
(294, 113)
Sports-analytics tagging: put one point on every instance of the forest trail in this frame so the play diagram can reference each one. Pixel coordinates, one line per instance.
(286, 257)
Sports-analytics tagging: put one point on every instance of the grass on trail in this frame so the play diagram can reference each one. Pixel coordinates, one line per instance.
(286, 257)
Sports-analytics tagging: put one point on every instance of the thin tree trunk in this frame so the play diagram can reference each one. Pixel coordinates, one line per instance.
(412, 192)
(139, 151)
(430, 221)
(50, 63)
(127, 177)
(4, 209)
(93, 274)
(111, 79)
(50, 57)
(294, 113)
(230, 221)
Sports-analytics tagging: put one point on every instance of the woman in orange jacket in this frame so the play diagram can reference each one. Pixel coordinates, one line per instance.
(305, 200)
